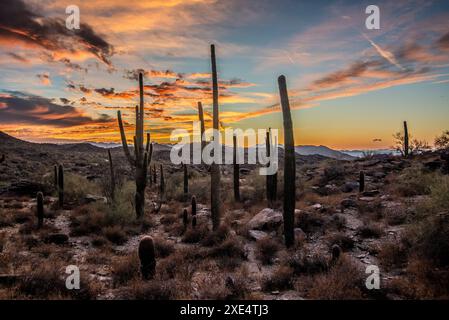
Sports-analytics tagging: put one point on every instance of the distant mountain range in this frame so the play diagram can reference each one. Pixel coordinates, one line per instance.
(306, 150)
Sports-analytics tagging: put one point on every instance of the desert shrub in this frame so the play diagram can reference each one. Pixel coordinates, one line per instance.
(343, 281)
(124, 269)
(115, 234)
(266, 250)
(216, 237)
(121, 210)
(412, 181)
(393, 255)
(163, 247)
(342, 240)
(333, 171)
(337, 222)
(47, 281)
(280, 279)
(76, 187)
(150, 290)
(395, 216)
(200, 187)
(304, 263)
(2, 240)
(370, 230)
(310, 222)
(6, 218)
(195, 235)
(254, 189)
(231, 248)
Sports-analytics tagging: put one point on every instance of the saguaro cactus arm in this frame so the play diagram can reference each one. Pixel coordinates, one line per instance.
(123, 138)
(289, 165)
(201, 118)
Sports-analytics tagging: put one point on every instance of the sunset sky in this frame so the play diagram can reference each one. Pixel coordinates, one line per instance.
(350, 87)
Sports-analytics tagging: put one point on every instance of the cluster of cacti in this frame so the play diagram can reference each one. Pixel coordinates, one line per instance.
(289, 166)
(236, 171)
(186, 179)
(60, 178)
(40, 209)
(112, 175)
(142, 157)
(271, 184)
(215, 168)
(193, 211)
(406, 137)
(147, 258)
(361, 181)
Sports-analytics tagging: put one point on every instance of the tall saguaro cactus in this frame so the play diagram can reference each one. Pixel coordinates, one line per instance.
(201, 118)
(289, 166)
(215, 168)
(406, 136)
(142, 157)
(236, 171)
(361, 181)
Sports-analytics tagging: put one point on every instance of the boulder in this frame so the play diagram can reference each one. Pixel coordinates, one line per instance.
(267, 219)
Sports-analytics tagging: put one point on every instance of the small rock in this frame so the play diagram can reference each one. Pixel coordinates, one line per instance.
(316, 206)
(257, 234)
(367, 199)
(299, 234)
(350, 186)
(90, 198)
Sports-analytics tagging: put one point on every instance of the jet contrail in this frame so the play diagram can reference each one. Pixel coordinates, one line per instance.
(384, 53)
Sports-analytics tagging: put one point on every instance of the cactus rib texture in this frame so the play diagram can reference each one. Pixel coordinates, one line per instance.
(289, 166)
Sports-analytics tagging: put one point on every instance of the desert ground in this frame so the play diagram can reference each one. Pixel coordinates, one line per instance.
(398, 222)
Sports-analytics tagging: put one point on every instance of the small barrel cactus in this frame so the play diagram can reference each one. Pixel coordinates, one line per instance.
(40, 210)
(147, 258)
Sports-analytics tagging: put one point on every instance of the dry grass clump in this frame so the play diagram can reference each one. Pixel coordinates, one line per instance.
(310, 222)
(280, 279)
(115, 234)
(216, 237)
(342, 240)
(163, 247)
(195, 235)
(393, 255)
(125, 269)
(267, 249)
(343, 281)
(303, 262)
(47, 281)
(370, 230)
(413, 181)
(150, 290)
(76, 187)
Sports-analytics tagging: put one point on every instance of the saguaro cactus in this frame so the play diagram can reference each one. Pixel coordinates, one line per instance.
(406, 137)
(236, 171)
(147, 258)
(186, 179)
(112, 175)
(193, 204)
(40, 209)
(61, 185)
(215, 168)
(289, 166)
(55, 175)
(142, 157)
(361, 181)
(201, 118)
